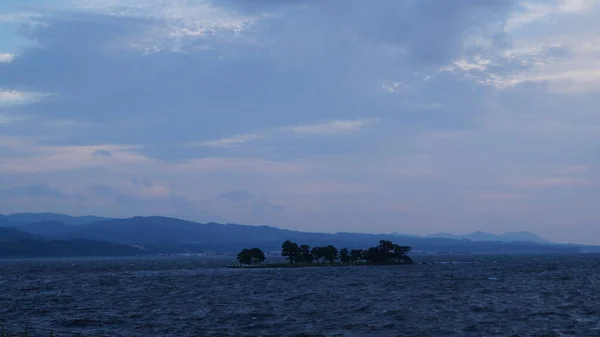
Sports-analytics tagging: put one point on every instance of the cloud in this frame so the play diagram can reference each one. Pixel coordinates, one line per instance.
(563, 182)
(400, 29)
(38, 192)
(102, 153)
(10, 97)
(6, 57)
(228, 142)
(562, 62)
(478, 107)
(392, 87)
(330, 188)
(331, 127)
(240, 165)
(42, 158)
(536, 11)
(125, 201)
(174, 25)
(574, 70)
(33, 158)
(20, 17)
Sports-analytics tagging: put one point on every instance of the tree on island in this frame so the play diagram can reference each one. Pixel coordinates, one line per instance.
(245, 256)
(330, 253)
(317, 253)
(356, 255)
(258, 255)
(305, 254)
(290, 250)
(251, 256)
(344, 256)
(387, 252)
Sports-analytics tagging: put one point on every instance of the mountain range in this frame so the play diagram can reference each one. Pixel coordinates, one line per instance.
(152, 235)
(483, 236)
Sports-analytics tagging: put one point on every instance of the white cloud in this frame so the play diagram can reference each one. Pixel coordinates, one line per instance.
(9, 97)
(6, 57)
(123, 158)
(229, 141)
(576, 6)
(477, 63)
(532, 12)
(38, 158)
(392, 86)
(565, 63)
(568, 63)
(577, 71)
(331, 127)
(177, 20)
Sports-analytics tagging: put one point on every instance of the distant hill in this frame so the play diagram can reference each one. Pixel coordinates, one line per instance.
(17, 243)
(49, 229)
(57, 248)
(12, 234)
(17, 219)
(171, 235)
(483, 236)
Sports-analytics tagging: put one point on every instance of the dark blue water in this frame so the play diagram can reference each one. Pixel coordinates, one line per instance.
(451, 296)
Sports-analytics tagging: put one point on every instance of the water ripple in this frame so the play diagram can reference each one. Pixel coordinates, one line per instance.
(462, 296)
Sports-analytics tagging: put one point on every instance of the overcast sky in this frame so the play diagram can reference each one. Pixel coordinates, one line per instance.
(412, 116)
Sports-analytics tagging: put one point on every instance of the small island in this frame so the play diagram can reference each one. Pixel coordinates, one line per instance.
(385, 253)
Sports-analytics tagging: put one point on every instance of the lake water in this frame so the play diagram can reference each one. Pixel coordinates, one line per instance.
(449, 296)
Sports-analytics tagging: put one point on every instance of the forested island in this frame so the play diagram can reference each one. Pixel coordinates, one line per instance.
(385, 253)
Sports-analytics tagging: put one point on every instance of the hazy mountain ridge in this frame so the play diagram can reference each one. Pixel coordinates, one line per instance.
(37, 223)
(171, 235)
(521, 236)
(16, 219)
(13, 234)
(64, 248)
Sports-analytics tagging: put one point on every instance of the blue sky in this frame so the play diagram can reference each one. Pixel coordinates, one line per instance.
(366, 116)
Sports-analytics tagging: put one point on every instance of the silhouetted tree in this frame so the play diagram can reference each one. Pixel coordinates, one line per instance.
(305, 254)
(245, 256)
(399, 254)
(374, 255)
(258, 255)
(385, 246)
(356, 255)
(344, 255)
(317, 253)
(330, 253)
(290, 250)
(387, 252)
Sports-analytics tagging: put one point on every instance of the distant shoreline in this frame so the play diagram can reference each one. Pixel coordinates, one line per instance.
(311, 265)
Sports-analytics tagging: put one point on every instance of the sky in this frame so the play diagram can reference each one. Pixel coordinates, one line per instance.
(413, 116)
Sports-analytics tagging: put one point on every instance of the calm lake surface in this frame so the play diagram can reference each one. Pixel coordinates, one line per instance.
(449, 296)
